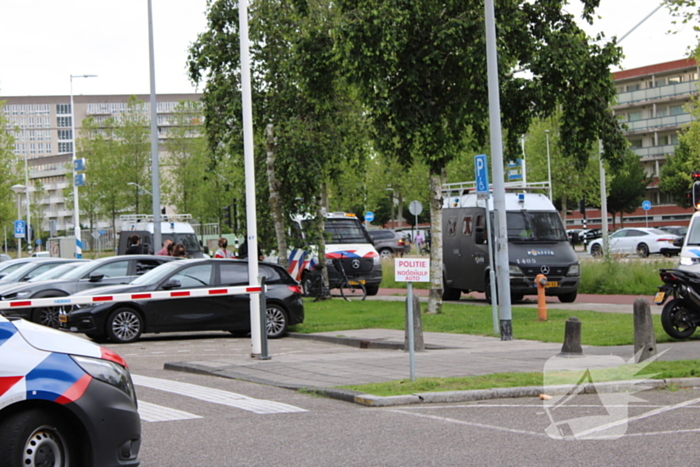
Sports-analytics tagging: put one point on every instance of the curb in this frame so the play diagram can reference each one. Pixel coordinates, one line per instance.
(361, 343)
(370, 400)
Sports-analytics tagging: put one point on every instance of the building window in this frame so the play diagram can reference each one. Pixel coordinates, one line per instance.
(661, 112)
(633, 87)
(65, 147)
(675, 80)
(64, 134)
(674, 138)
(63, 122)
(676, 110)
(636, 143)
(63, 109)
(634, 116)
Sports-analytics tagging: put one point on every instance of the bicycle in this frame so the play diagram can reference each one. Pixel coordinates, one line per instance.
(314, 286)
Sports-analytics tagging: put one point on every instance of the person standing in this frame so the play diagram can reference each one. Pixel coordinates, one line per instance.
(419, 241)
(165, 251)
(135, 247)
(222, 252)
(179, 251)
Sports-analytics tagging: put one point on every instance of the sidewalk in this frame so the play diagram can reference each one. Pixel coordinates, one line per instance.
(323, 361)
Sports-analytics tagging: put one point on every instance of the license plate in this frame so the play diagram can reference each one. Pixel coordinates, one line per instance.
(551, 284)
(63, 318)
(358, 282)
(659, 297)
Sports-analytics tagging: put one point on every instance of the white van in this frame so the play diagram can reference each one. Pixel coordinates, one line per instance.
(347, 240)
(174, 227)
(537, 244)
(690, 249)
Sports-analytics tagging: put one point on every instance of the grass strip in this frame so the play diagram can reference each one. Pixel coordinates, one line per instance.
(655, 370)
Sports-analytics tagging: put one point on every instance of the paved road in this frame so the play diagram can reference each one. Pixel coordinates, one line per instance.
(193, 420)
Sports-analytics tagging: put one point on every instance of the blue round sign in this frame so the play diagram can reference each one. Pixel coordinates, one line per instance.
(369, 216)
(646, 205)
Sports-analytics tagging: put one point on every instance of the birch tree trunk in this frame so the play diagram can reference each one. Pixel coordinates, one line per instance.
(275, 201)
(435, 297)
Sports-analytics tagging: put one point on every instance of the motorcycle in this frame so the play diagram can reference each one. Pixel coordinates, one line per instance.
(681, 315)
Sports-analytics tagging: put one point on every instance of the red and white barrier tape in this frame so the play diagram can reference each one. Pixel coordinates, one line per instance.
(127, 297)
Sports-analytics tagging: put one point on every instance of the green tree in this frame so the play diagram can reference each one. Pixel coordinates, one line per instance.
(132, 131)
(306, 118)
(675, 177)
(9, 177)
(627, 188)
(421, 67)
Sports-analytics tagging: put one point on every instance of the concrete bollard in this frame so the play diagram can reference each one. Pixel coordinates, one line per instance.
(644, 336)
(418, 342)
(572, 338)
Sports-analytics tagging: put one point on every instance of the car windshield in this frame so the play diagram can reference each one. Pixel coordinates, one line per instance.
(157, 274)
(535, 226)
(348, 230)
(56, 272)
(18, 273)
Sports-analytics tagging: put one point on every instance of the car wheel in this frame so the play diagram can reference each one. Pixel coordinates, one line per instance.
(124, 325)
(386, 253)
(276, 321)
(47, 316)
(596, 250)
(372, 289)
(37, 437)
(568, 297)
(642, 250)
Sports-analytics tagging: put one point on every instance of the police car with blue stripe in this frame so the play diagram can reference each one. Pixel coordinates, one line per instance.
(64, 401)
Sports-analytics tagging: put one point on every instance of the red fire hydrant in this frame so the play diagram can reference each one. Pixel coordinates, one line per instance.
(541, 282)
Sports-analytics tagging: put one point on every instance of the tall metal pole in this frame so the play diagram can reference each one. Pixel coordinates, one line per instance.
(155, 167)
(249, 164)
(499, 189)
(27, 228)
(549, 166)
(76, 204)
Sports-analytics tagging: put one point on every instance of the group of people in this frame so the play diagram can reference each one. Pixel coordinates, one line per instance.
(170, 248)
(222, 252)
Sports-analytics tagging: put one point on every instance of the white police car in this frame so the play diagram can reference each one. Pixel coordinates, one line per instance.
(64, 401)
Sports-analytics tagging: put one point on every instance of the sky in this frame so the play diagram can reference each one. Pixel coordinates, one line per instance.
(44, 42)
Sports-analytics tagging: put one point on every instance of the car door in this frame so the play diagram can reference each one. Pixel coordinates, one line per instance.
(113, 273)
(193, 313)
(619, 242)
(234, 274)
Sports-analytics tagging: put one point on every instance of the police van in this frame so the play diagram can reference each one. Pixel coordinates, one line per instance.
(537, 243)
(346, 240)
(174, 227)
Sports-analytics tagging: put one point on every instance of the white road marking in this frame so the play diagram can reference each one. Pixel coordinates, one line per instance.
(216, 396)
(477, 425)
(157, 413)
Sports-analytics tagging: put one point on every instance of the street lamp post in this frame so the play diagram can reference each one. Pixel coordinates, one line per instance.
(18, 189)
(76, 209)
(549, 165)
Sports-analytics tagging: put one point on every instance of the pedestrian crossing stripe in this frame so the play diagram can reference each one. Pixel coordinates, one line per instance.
(157, 413)
(216, 396)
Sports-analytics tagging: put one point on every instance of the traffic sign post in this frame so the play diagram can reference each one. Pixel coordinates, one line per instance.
(482, 190)
(411, 270)
(415, 208)
(646, 205)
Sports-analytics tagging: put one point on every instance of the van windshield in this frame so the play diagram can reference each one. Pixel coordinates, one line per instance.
(694, 234)
(346, 230)
(535, 226)
(188, 239)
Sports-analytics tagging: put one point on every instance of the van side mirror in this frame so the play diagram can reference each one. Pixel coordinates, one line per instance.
(479, 235)
(679, 241)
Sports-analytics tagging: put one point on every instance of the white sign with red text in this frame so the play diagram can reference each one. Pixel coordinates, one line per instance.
(411, 270)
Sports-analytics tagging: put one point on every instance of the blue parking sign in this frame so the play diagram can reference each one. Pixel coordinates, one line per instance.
(20, 229)
(482, 173)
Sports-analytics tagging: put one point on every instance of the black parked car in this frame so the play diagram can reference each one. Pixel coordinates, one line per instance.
(123, 322)
(93, 274)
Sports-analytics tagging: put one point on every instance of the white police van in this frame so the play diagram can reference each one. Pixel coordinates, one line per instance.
(537, 243)
(348, 241)
(174, 227)
(64, 401)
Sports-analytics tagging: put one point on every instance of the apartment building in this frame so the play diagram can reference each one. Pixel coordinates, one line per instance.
(41, 126)
(653, 102)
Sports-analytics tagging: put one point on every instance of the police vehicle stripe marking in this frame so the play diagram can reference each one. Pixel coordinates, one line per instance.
(76, 391)
(7, 330)
(157, 413)
(6, 382)
(216, 396)
(59, 382)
